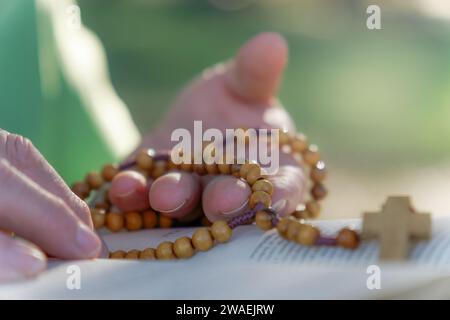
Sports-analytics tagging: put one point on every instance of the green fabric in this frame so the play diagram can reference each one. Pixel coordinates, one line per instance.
(35, 98)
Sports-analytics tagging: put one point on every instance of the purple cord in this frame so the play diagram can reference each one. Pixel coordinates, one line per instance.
(246, 217)
(326, 241)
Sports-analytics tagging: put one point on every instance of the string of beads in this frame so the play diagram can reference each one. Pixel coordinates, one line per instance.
(153, 165)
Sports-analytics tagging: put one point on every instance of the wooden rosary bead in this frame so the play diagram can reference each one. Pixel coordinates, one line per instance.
(171, 165)
(132, 254)
(299, 143)
(133, 221)
(159, 168)
(245, 169)
(318, 191)
(165, 222)
(119, 254)
(164, 251)
(253, 174)
(109, 171)
(149, 219)
(318, 172)
(187, 167)
(282, 225)
(301, 212)
(147, 254)
(221, 231)
(311, 156)
(94, 180)
(307, 235)
(263, 185)
(284, 137)
(202, 239)
(224, 168)
(235, 170)
(114, 221)
(347, 238)
(313, 209)
(102, 206)
(293, 230)
(98, 218)
(263, 220)
(144, 160)
(211, 168)
(260, 197)
(81, 189)
(183, 248)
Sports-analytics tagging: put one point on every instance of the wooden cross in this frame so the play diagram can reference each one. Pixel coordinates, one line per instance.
(394, 226)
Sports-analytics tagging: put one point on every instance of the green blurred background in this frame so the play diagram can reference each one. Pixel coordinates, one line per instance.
(376, 101)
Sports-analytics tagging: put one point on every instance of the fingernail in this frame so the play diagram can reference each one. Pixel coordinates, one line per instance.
(237, 209)
(279, 206)
(25, 261)
(178, 207)
(87, 242)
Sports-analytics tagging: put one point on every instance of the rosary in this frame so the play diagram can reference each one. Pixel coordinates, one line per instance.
(293, 228)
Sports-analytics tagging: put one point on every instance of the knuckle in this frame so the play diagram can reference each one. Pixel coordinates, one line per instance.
(18, 149)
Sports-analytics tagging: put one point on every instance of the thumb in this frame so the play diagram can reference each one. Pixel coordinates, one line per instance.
(256, 71)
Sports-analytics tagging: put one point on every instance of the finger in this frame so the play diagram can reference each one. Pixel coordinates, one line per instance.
(19, 259)
(225, 197)
(129, 191)
(257, 69)
(21, 153)
(175, 194)
(37, 215)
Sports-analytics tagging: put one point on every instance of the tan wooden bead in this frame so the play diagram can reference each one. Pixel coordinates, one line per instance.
(284, 137)
(245, 169)
(313, 209)
(199, 169)
(132, 254)
(81, 189)
(211, 168)
(102, 206)
(165, 222)
(348, 239)
(133, 221)
(319, 191)
(144, 160)
(235, 169)
(311, 156)
(164, 251)
(263, 220)
(159, 168)
(299, 143)
(94, 180)
(187, 167)
(293, 230)
(202, 239)
(147, 254)
(171, 165)
(260, 197)
(183, 248)
(224, 168)
(282, 225)
(263, 185)
(253, 174)
(114, 221)
(307, 235)
(119, 254)
(109, 171)
(221, 231)
(318, 172)
(301, 212)
(149, 219)
(98, 218)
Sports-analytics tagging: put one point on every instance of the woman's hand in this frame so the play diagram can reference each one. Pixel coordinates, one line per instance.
(239, 94)
(36, 205)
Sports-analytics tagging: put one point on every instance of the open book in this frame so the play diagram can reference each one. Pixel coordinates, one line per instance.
(253, 265)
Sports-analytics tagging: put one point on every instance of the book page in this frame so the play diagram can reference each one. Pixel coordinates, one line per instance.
(252, 265)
